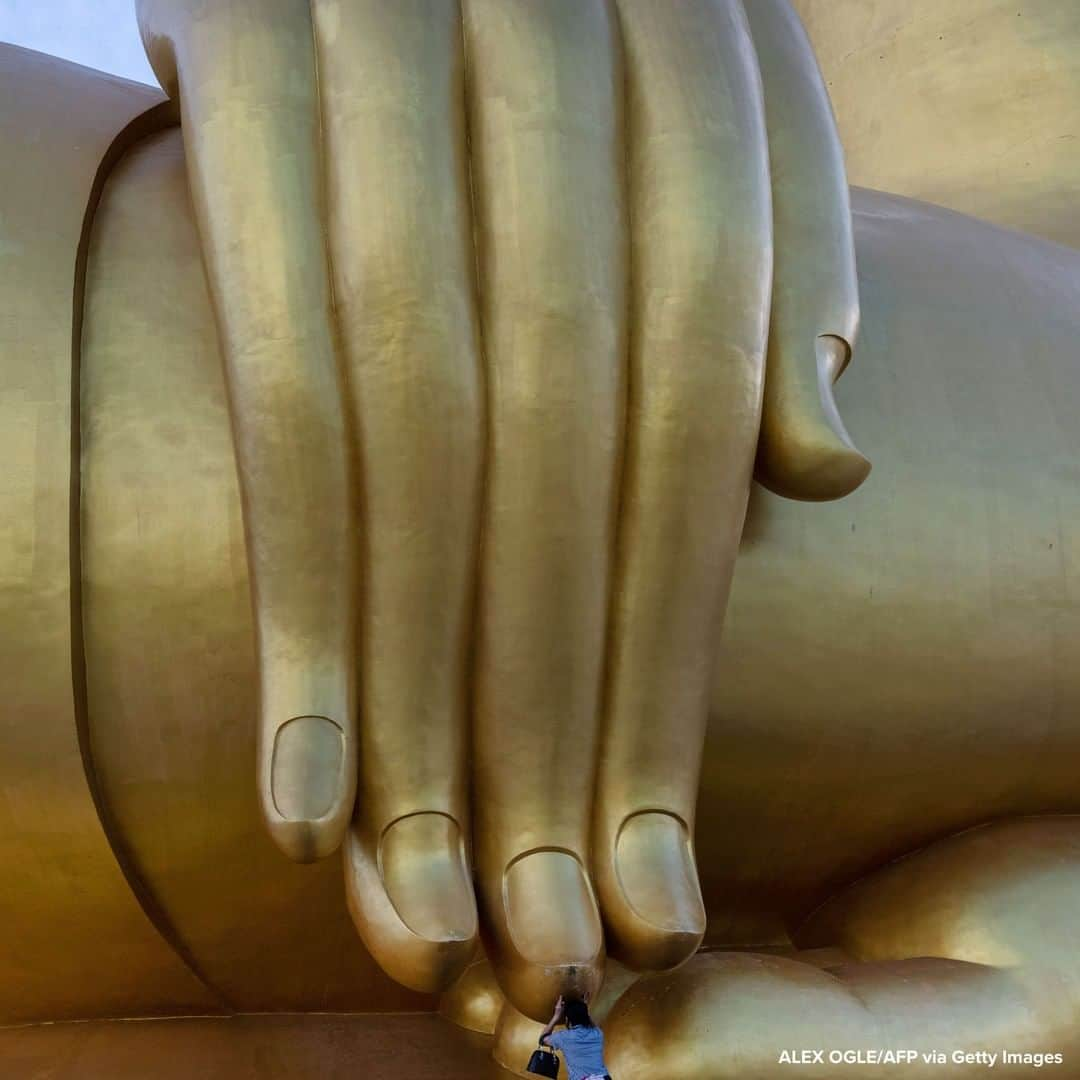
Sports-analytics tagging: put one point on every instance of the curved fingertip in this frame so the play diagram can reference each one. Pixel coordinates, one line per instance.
(804, 451)
(474, 1001)
(426, 877)
(546, 935)
(304, 841)
(811, 466)
(651, 898)
(618, 978)
(516, 1034)
(411, 899)
(516, 1037)
(308, 787)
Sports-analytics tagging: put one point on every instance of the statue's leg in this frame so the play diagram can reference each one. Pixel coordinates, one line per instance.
(701, 273)
(544, 89)
(244, 75)
(400, 228)
(967, 945)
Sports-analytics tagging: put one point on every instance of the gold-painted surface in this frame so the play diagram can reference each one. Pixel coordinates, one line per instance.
(400, 243)
(171, 681)
(898, 783)
(970, 944)
(971, 104)
(895, 667)
(900, 665)
(286, 1047)
(516, 1037)
(617, 980)
(568, 206)
(73, 938)
(244, 75)
(805, 451)
(475, 1001)
(546, 124)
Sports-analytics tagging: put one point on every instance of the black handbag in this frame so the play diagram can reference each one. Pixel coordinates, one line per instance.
(543, 1063)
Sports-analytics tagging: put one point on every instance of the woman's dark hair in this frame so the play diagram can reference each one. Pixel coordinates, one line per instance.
(576, 1013)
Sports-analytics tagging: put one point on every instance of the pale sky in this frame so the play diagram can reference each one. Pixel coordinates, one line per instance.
(98, 33)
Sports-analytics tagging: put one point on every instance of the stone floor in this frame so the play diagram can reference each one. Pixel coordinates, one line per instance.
(399, 1046)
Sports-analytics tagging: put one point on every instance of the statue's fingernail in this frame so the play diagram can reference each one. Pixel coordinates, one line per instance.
(306, 770)
(422, 860)
(551, 914)
(657, 873)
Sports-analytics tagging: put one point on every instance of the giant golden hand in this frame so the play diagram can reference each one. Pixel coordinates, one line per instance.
(494, 285)
(956, 952)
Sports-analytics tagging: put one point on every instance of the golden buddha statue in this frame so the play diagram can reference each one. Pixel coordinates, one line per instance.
(384, 403)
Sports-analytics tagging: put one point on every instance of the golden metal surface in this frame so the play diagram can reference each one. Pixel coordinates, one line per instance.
(546, 129)
(283, 1047)
(243, 74)
(170, 660)
(969, 945)
(900, 665)
(403, 273)
(971, 104)
(75, 941)
(469, 387)
(516, 1037)
(615, 179)
(804, 451)
(475, 1001)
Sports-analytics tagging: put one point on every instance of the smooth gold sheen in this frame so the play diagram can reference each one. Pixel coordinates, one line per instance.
(402, 265)
(243, 75)
(306, 767)
(68, 908)
(382, 408)
(970, 104)
(175, 569)
(654, 863)
(969, 944)
(475, 1001)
